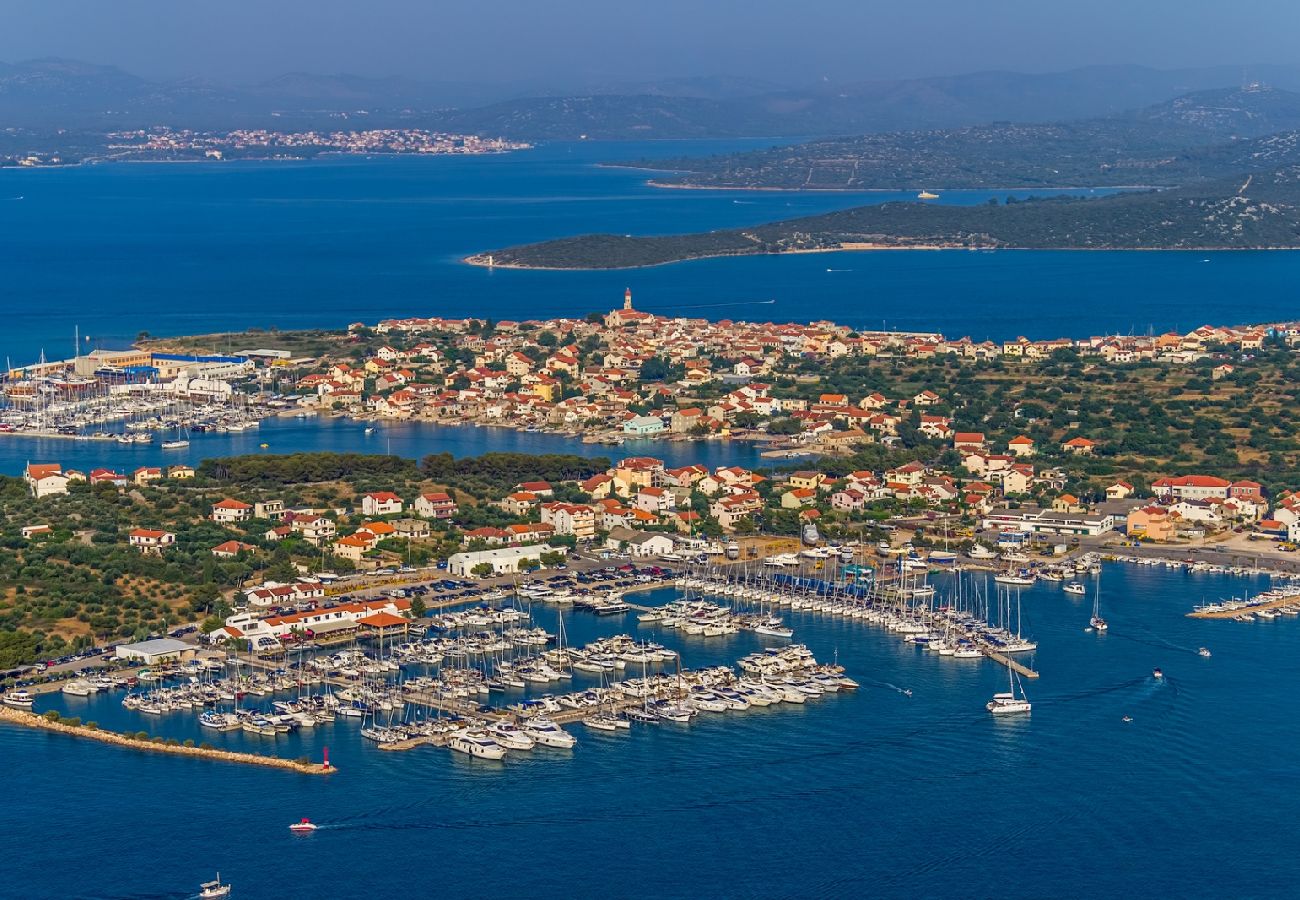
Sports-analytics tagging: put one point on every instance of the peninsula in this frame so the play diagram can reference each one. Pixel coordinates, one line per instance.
(1246, 212)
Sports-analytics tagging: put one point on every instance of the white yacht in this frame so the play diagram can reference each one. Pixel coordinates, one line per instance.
(1020, 579)
(476, 743)
(1009, 704)
(601, 722)
(510, 736)
(547, 733)
(79, 688)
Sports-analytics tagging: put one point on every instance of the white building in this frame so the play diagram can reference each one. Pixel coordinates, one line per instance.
(45, 479)
(504, 560)
(640, 543)
(381, 503)
(155, 651)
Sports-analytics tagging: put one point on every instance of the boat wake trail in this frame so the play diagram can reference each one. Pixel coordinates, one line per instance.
(906, 692)
(1156, 641)
(721, 305)
(1093, 692)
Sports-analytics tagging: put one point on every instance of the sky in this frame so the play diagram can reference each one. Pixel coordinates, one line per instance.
(569, 42)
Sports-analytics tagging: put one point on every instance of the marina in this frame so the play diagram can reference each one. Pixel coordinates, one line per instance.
(914, 710)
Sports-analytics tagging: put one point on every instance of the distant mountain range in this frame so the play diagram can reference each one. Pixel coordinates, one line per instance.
(1261, 211)
(1205, 134)
(46, 94)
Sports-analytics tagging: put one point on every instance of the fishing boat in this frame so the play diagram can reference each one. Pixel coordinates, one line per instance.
(1008, 703)
(215, 888)
(1075, 588)
(18, 698)
(303, 826)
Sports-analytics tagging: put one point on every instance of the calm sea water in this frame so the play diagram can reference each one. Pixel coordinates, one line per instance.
(188, 248)
(863, 794)
(411, 439)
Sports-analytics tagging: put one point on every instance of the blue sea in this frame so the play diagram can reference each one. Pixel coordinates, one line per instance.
(192, 248)
(865, 794)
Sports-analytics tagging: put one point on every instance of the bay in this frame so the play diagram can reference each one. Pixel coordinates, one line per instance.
(413, 440)
(172, 249)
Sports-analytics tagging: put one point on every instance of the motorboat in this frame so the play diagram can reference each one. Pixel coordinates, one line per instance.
(547, 733)
(210, 890)
(1157, 674)
(1076, 588)
(79, 688)
(303, 826)
(1204, 651)
(19, 698)
(510, 736)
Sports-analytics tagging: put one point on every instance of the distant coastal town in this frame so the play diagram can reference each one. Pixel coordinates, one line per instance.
(168, 144)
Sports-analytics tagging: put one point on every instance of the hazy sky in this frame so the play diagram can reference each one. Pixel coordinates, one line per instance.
(563, 41)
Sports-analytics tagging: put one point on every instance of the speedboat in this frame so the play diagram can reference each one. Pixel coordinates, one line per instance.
(210, 890)
(1075, 588)
(1127, 719)
(1157, 674)
(304, 826)
(1204, 651)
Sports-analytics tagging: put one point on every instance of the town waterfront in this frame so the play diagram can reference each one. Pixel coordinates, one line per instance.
(184, 249)
(865, 793)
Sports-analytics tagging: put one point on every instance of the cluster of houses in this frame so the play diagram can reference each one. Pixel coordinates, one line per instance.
(516, 378)
(642, 496)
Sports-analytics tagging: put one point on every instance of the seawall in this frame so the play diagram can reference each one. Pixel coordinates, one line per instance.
(32, 720)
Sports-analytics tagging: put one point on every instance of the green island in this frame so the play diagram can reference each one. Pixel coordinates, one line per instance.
(1199, 136)
(1248, 212)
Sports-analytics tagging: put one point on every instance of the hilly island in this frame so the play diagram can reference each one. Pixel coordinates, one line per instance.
(1246, 212)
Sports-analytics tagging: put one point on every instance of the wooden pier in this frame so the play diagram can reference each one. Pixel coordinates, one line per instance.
(1007, 661)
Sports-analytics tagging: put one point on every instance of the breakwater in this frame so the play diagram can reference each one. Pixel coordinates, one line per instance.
(32, 720)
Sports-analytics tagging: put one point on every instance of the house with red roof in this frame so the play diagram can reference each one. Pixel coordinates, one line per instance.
(151, 541)
(228, 510)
